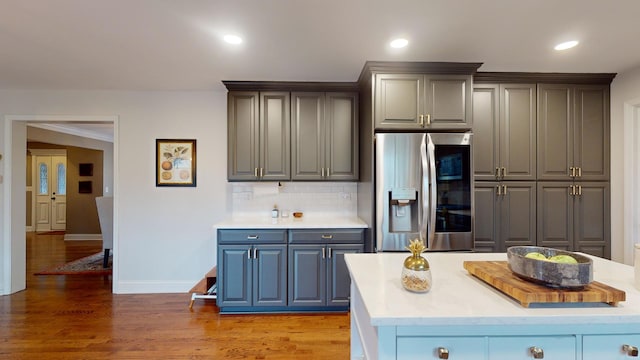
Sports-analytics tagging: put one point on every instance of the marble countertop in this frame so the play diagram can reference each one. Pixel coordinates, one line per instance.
(306, 222)
(458, 298)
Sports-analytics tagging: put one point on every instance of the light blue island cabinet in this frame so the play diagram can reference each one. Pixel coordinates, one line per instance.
(462, 317)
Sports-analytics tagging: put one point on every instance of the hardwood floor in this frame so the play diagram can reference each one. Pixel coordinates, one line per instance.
(77, 317)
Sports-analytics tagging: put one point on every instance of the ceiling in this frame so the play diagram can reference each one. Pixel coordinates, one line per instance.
(176, 44)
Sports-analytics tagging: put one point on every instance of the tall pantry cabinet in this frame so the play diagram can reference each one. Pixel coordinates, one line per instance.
(542, 139)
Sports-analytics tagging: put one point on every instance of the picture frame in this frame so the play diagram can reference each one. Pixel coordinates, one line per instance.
(176, 162)
(85, 169)
(85, 187)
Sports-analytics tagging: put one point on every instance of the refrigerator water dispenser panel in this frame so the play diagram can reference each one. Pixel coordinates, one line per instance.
(403, 210)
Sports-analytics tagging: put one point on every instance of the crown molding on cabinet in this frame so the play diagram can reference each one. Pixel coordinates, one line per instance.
(418, 67)
(548, 78)
(290, 86)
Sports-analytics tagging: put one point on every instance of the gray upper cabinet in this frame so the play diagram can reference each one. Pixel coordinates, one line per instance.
(591, 132)
(258, 136)
(504, 130)
(419, 101)
(575, 216)
(573, 132)
(324, 136)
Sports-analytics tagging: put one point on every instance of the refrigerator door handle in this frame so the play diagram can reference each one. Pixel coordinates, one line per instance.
(431, 151)
(424, 192)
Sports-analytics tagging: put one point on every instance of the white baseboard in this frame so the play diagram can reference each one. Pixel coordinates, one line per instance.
(153, 287)
(74, 237)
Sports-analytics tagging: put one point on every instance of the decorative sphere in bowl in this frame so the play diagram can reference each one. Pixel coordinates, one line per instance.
(550, 267)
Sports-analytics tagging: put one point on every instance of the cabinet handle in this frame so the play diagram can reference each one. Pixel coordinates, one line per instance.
(252, 237)
(504, 190)
(255, 253)
(504, 172)
(322, 172)
(579, 190)
(537, 352)
(579, 172)
(572, 190)
(327, 172)
(255, 172)
(329, 253)
(443, 353)
(323, 253)
(421, 120)
(497, 173)
(249, 254)
(499, 188)
(573, 171)
(428, 119)
(261, 172)
(327, 236)
(630, 350)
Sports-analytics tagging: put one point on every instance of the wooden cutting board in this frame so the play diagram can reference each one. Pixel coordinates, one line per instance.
(498, 275)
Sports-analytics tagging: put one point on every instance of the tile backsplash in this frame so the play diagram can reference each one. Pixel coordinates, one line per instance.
(312, 198)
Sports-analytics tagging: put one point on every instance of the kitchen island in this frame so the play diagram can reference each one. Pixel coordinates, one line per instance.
(462, 317)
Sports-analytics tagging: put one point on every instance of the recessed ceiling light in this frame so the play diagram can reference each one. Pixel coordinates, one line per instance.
(566, 45)
(399, 43)
(233, 39)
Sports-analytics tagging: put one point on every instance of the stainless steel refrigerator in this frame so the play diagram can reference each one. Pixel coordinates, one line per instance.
(424, 190)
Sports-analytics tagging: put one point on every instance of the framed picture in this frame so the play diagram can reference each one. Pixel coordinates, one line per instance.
(85, 169)
(175, 162)
(85, 187)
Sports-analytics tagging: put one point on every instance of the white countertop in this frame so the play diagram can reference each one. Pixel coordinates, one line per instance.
(305, 222)
(458, 298)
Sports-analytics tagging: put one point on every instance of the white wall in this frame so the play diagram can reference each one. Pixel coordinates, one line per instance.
(164, 240)
(625, 92)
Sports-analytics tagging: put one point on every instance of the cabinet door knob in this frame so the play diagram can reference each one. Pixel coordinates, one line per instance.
(537, 352)
(630, 350)
(443, 353)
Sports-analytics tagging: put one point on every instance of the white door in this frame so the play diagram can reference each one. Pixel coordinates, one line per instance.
(51, 192)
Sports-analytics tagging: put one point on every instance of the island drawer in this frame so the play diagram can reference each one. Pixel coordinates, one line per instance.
(327, 236)
(252, 236)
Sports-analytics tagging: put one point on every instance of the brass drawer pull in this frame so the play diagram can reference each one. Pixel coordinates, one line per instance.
(537, 352)
(630, 350)
(443, 353)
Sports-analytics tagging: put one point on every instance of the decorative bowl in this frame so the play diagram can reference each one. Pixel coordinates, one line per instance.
(550, 273)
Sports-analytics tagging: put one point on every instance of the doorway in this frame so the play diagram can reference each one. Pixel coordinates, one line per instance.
(14, 200)
(49, 173)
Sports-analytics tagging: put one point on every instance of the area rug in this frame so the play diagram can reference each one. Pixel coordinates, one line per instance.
(89, 265)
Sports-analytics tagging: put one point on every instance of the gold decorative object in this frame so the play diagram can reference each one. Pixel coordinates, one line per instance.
(416, 274)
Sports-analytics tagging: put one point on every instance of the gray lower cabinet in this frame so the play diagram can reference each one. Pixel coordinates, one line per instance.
(252, 268)
(324, 136)
(258, 270)
(573, 132)
(505, 214)
(504, 128)
(318, 276)
(422, 101)
(575, 216)
(258, 126)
